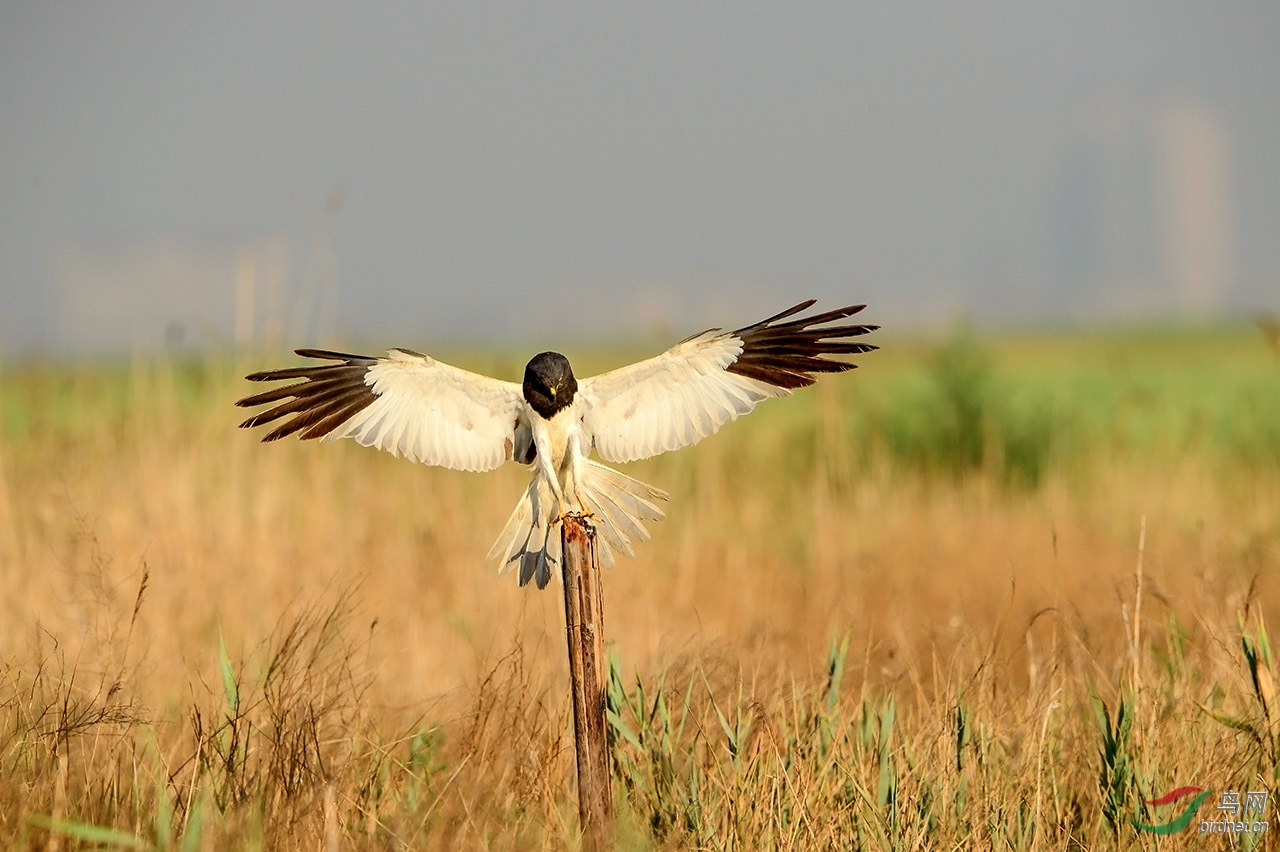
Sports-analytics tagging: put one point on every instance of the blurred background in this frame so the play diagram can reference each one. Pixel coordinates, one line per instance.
(177, 176)
(1050, 501)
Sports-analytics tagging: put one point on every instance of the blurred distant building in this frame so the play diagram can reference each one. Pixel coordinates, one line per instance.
(173, 294)
(1196, 222)
(1141, 220)
(163, 294)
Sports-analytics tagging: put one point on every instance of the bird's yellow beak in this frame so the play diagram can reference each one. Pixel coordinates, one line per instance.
(553, 392)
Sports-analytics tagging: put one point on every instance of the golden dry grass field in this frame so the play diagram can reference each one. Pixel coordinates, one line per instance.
(898, 610)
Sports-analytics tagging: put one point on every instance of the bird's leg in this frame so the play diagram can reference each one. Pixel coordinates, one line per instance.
(575, 506)
(562, 503)
(560, 506)
(581, 511)
(573, 479)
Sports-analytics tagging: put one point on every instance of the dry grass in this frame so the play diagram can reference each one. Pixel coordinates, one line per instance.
(830, 643)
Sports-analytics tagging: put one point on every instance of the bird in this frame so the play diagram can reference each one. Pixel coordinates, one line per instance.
(415, 406)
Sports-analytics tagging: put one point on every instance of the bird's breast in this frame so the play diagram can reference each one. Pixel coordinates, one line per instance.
(553, 435)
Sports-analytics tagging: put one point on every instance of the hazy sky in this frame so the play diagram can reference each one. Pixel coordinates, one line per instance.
(415, 172)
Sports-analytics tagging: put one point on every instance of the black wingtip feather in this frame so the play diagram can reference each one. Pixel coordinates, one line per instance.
(791, 311)
(789, 354)
(327, 396)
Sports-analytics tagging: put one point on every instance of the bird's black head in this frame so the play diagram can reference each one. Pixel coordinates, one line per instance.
(549, 384)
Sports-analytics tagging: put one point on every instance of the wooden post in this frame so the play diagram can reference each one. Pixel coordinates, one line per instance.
(584, 625)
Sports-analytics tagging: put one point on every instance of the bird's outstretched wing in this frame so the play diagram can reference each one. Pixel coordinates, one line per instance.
(407, 403)
(703, 382)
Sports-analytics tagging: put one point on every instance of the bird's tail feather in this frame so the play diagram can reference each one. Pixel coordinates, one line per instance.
(620, 505)
(527, 541)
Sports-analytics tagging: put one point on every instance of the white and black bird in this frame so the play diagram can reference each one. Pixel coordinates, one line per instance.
(412, 405)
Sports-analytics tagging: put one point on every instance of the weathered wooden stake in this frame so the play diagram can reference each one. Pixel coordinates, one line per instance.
(584, 625)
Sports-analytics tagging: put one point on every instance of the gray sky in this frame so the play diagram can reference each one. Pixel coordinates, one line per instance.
(420, 172)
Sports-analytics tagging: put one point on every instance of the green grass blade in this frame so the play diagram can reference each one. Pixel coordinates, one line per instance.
(229, 685)
(89, 833)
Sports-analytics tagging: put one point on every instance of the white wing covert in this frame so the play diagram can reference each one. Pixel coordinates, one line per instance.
(703, 382)
(407, 403)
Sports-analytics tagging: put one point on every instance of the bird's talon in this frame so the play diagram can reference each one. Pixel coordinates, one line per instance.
(583, 516)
